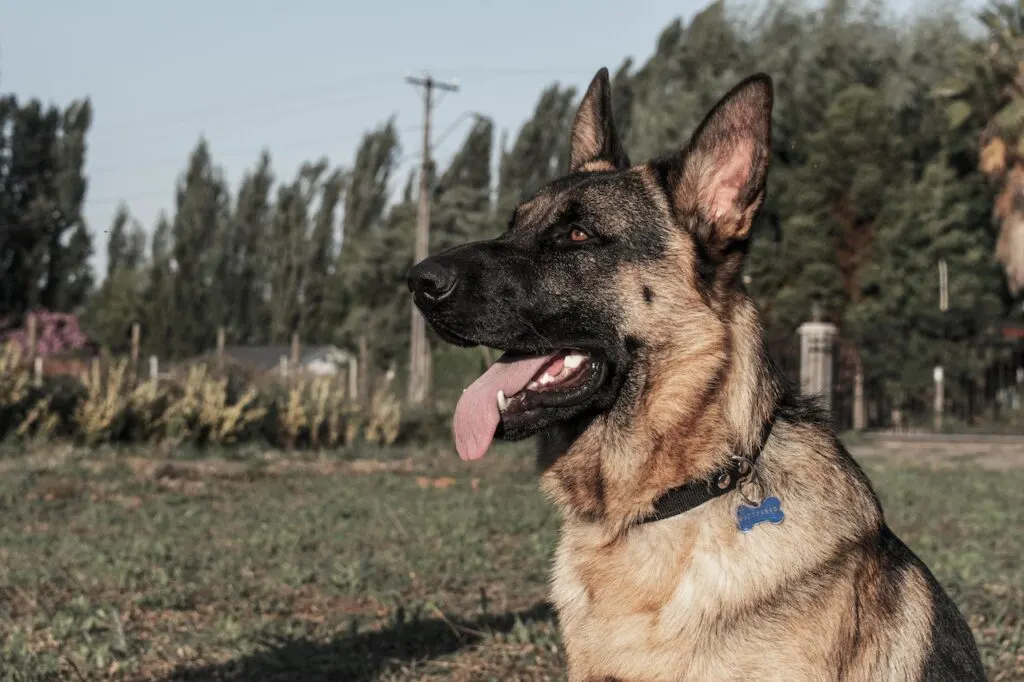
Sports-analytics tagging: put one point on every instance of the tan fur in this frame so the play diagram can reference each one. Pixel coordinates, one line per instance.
(599, 166)
(690, 593)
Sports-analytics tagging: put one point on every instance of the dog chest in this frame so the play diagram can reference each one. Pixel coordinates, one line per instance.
(664, 605)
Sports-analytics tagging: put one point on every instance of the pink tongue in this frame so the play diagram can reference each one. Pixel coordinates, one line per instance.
(476, 415)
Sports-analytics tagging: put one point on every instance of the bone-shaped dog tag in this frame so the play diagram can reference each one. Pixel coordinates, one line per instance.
(769, 510)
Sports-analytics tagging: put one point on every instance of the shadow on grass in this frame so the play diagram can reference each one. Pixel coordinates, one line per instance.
(361, 657)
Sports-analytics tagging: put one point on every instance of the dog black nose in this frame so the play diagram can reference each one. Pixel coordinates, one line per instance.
(432, 280)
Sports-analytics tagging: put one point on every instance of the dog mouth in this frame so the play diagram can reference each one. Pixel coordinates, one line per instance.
(516, 392)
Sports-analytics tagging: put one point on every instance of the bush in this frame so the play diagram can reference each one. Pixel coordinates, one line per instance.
(198, 407)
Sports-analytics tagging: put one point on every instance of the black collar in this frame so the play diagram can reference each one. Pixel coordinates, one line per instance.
(695, 493)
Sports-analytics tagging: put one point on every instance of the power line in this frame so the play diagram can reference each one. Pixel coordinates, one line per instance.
(248, 104)
(293, 96)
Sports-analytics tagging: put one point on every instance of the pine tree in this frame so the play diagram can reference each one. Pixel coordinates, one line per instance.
(158, 325)
(321, 261)
(117, 239)
(201, 215)
(897, 321)
(363, 228)
(69, 276)
(540, 152)
(462, 209)
(44, 244)
(290, 238)
(250, 320)
(120, 300)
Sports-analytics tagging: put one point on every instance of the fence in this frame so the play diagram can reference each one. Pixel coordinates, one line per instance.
(992, 403)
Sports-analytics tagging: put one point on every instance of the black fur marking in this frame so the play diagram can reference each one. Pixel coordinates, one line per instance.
(895, 559)
(633, 344)
(706, 270)
(668, 172)
(648, 294)
(953, 654)
(598, 100)
(797, 409)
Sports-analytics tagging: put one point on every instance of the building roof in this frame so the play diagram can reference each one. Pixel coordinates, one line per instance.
(268, 358)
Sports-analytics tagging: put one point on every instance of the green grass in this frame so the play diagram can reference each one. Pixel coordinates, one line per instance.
(114, 568)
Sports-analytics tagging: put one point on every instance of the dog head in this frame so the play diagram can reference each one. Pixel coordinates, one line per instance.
(604, 273)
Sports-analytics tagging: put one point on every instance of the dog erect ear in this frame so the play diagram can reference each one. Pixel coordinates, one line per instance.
(721, 176)
(595, 143)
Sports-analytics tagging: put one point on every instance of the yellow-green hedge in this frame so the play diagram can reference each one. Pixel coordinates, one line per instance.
(105, 406)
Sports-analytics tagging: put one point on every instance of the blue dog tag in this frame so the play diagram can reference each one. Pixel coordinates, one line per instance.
(770, 509)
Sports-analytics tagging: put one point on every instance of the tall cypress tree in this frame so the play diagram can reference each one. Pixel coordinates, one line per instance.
(321, 261)
(200, 216)
(252, 218)
(462, 209)
(362, 227)
(159, 303)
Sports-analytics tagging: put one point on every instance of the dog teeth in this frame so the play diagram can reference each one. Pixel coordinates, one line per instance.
(546, 379)
(502, 401)
(574, 360)
(532, 386)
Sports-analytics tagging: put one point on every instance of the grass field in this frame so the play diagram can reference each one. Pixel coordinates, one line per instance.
(400, 565)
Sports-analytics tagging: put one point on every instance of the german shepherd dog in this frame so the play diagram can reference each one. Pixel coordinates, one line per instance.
(714, 526)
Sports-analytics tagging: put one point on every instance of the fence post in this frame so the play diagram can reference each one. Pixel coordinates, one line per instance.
(364, 369)
(136, 337)
(353, 379)
(32, 336)
(154, 369)
(859, 416)
(220, 347)
(37, 370)
(940, 398)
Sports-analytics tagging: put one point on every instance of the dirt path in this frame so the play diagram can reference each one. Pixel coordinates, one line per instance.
(999, 454)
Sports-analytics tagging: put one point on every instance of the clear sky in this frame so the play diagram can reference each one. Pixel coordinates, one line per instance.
(304, 78)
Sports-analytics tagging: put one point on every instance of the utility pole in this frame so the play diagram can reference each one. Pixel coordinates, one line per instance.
(419, 351)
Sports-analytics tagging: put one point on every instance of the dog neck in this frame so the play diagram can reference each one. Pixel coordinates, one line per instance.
(697, 407)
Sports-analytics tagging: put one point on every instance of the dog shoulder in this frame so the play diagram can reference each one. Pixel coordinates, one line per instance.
(952, 652)
(908, 626)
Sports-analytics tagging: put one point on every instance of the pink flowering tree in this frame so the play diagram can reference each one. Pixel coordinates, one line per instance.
(56, 333)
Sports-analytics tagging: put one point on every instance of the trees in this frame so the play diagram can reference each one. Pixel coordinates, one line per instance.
(462, 194)
(45, 246)
(540, 152)
(120, 300)
(249, 318)
(985, 96)
(199, 219)
(896, 319)
(375, 244)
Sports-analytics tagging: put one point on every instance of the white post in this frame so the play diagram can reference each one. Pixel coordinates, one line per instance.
(154, 368)
(859, 416)
(353, 378)
(816, 339)
(940, 400)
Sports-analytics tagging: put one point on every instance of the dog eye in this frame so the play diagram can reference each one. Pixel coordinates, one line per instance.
(578, 234)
